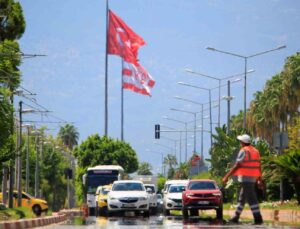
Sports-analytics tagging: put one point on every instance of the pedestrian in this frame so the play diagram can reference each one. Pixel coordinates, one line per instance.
(247, 169)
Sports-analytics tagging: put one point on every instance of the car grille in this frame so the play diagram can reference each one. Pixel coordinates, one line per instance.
(203, 195)
(177, 200)
(128, 200)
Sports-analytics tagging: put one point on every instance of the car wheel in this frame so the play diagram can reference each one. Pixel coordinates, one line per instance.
(146, 214)
(185, 213)
(166, 212)
(110, 214)
(37, 210)
(219, 212)
(104, 211)
(154, 211)
(194, 212)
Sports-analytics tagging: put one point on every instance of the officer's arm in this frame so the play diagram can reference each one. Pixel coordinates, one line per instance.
(232, 170)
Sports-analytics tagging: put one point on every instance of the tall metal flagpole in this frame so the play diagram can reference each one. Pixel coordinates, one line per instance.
(106, 77)
(122, 104)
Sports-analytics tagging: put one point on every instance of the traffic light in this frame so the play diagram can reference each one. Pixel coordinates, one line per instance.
(157, 131)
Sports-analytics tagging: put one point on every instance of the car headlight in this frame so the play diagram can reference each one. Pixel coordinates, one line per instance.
(143, 198)
(216, 194)
(103, 199)
(112, 198)
(191, 194)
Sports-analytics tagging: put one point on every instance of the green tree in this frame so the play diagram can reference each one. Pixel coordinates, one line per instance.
(53, 182)
(294, 134)
(223, 151)
(144, 169)
(96, 150)
(160, 183)
(6, 116)
(69, 136)
(12, 22)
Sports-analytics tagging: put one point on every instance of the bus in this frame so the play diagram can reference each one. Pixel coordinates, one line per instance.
(98, 176)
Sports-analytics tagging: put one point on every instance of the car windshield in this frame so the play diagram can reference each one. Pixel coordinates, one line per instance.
(202, 185)
(151, 187)
(105, 191)
(175, 189)
(128, 187)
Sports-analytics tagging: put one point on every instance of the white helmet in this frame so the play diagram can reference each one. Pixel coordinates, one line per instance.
(244, 138)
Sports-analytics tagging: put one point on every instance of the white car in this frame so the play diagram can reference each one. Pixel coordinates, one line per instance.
(128, 195)
(173, 198)
(170, 182)
(152, 196)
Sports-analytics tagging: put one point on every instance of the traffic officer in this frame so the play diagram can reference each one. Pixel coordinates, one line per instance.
(247, 169)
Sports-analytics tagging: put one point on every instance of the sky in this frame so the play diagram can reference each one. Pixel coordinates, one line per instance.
(70, 80)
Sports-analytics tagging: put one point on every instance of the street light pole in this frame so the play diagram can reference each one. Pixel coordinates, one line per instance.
(210, 117)
(245, 73)
(185, 123)
(175, 143)
(195, 123)
(209, 94)
(162, 160)
(219, 87)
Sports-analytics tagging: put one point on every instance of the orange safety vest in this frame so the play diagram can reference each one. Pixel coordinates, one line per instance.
(250, 166)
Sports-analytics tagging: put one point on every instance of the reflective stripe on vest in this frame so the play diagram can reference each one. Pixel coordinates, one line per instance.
(250, 166)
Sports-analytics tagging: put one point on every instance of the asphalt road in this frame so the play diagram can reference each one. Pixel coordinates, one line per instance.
(158, 221)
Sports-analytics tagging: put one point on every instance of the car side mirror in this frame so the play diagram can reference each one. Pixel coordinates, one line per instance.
(149, 190)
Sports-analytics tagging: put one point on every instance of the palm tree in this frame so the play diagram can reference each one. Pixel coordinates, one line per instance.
(182, 172)
(144, 169)
(171, 161)
(69, 136)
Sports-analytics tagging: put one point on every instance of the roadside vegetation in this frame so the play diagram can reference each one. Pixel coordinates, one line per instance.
(18, 213)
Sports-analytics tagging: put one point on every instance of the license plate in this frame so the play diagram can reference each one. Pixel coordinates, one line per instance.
(203, 202)
(128, 205)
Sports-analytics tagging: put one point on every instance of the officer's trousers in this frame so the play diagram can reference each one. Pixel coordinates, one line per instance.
(248, 194)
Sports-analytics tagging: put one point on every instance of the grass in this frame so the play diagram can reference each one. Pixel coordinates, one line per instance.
(16, 213)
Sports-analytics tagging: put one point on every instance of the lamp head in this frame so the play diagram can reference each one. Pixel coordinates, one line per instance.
(210, 48)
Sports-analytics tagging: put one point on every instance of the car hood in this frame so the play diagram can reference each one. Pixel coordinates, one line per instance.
(177, 195)
(104, 197)
(203, 191)
(40, 201)
(119, 194)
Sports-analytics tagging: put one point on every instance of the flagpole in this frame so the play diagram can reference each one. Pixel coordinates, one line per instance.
(122, 104)
(106, 77)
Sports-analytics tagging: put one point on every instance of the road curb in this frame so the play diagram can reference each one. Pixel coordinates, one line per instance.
(31, 223)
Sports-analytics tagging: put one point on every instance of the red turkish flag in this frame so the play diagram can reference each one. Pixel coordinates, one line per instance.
(122, 40)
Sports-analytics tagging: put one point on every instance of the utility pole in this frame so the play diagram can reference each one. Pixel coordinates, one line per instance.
(228, 108)
(36, 176)
(19, 159)
(27, 163)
